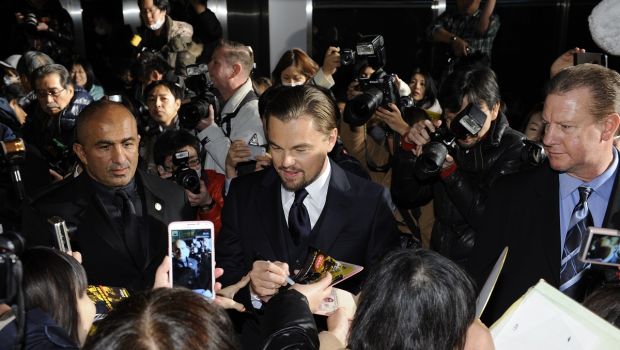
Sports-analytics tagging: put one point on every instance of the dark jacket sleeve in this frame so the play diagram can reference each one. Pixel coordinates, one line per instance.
(407, 190)
(470, 196)
(385, 235)
(288, 323)
(228, 246)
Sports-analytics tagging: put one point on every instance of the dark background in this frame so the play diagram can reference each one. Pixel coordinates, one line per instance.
(532, 34)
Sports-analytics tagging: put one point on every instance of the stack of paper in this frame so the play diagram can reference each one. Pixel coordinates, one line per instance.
(544, 318)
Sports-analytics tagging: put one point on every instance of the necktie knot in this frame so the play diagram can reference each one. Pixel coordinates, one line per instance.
(300, 195)
(127, 203)
(584, 193)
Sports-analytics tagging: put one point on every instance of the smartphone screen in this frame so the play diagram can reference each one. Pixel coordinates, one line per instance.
(193, 261)
(603, 247)
(590, 57)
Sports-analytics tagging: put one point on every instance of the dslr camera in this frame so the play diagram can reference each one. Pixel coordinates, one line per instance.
(377, 90)
(199, 88)
(184, 175)
(468, 122)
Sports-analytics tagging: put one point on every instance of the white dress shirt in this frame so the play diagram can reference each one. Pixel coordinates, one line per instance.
(315, 201)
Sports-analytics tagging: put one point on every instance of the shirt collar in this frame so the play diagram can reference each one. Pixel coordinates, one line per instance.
(568, 183)
(236, 98)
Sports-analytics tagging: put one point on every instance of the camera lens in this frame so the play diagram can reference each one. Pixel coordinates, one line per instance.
(359, 110)
(430, 161)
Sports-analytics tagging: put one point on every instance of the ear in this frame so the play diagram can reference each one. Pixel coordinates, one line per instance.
(610, 126)
(177, 104)
(332, 138)
(79, 151)
(236, 70)
(495, 111)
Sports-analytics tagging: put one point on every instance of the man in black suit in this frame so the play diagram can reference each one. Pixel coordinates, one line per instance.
(120, 216)
(534, 213)
(272, 217)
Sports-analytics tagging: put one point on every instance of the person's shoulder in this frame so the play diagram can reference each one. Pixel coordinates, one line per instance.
(62, 191)
(526, 179)
(359, 185)
(180, 28)
(252, 180)
(158, 185)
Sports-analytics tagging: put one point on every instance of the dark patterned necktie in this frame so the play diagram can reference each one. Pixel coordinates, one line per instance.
(571, 267)
(298, 218)
(130, 226)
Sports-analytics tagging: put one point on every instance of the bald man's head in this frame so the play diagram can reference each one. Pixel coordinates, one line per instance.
(107, 143)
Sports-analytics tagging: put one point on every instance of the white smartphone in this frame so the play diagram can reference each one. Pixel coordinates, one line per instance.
(190, 245)
(602, 247)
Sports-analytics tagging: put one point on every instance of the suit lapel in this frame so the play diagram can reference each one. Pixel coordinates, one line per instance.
(612, 215)
(272, 226)
(154, 211)
(548, 190)
(336, 206)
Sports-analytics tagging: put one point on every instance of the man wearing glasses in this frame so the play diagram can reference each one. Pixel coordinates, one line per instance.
(51, 126)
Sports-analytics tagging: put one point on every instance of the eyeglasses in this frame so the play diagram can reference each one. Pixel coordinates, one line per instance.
(53, 93)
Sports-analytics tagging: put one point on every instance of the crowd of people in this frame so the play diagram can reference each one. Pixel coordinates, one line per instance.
(420, 182)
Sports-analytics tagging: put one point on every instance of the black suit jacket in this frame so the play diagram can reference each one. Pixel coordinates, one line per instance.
(523, 214)
(356, 224)
(104, 254)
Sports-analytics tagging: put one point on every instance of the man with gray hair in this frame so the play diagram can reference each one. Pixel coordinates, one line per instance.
(542, 214)
(229, 69)
(51, 126)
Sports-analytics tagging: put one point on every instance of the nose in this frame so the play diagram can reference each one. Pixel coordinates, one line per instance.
(549, 135)
(118, 154)
(288, 160)
(49, 98)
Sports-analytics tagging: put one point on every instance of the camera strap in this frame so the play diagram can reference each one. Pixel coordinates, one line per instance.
(227, 119)
(372, 166)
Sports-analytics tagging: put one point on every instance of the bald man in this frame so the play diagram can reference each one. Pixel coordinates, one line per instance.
(120, 215)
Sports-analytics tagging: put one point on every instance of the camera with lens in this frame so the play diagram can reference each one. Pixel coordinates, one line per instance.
(30, 20)
(11, 246)
(378, 90)
(199, 88)
(533, 153)
(369, 47)
(467, 123)
(184, 175)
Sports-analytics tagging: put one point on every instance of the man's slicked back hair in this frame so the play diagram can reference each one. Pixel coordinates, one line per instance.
(304, 100)
(603, 84)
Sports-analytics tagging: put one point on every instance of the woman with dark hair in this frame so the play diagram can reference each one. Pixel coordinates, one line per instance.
(59, 314)
(295, 67)
(420, 298)
(83, 75)
(164, 319)
(424, 90)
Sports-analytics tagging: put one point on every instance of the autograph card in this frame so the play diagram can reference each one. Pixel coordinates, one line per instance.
(318, 263)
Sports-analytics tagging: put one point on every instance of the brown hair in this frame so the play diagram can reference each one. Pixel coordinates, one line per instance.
(602, 83)
(297, 58)
(305, 100)
(235, 52)
(164, 318)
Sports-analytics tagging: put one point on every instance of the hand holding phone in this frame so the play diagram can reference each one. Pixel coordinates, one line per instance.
(61, 233)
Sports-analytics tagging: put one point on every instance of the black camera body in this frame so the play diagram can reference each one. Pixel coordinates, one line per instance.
(377, 91)
(185, 176)
(199, 87)
(467, 123)
(11, 246)
(368, 47)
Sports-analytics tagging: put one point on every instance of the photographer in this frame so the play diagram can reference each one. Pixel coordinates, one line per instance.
(457, 174)
(163, 100)
(204, 188)
(42, 25)
(172, 39)
(51, 126)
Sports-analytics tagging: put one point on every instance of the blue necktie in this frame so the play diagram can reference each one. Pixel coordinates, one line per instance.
(298, 218)
(571, 267)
